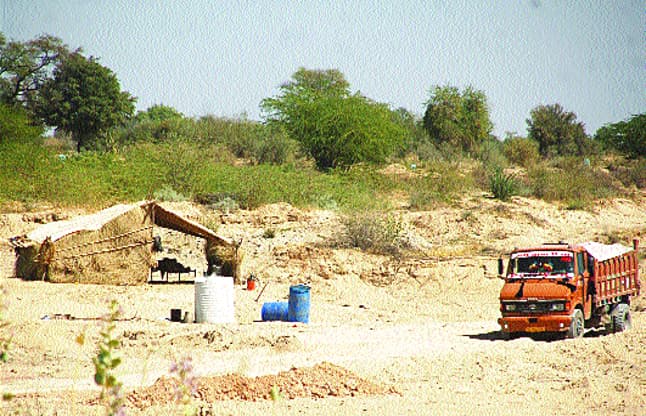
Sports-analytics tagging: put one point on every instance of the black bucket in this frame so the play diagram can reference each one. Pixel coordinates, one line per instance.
(175, 315)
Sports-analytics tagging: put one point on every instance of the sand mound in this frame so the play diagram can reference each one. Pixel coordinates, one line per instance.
(320, 381)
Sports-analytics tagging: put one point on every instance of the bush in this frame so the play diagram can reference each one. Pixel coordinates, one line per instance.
(168, 194)
(490, 153)
(444, 182)
(572, 182)
(16, 125)
(630, 172)
(502, 185)
(369, 232)
(521, 151)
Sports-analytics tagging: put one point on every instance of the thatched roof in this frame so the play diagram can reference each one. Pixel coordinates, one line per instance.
(162, 217)
(168, 219)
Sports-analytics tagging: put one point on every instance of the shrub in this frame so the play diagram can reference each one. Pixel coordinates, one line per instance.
(502, 185)
(521, 151)
(166, 193)
(571, 181)
(630, 172)
(369, 232)
(106, 362)
(444, 182)
(16, 125)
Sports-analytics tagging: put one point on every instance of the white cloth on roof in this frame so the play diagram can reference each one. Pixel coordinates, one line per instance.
(603, 252)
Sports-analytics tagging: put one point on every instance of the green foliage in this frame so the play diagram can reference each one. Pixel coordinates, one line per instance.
(458, 118)
(416, 139)
(570, 181)
(521, 151)
(490, 153)
(168, 194)
(502, 185)
(158, 112)
(333, 127)
(346, 131)
(106, 362)
(5, 339)
(25, 66)
(445, 181)
(371, 232)
(16, 125)
(631, 172)
(557, 132)
(247, 139)
(84, 99)
(627, 137)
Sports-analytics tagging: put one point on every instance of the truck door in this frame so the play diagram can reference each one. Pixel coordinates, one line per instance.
(584, 276)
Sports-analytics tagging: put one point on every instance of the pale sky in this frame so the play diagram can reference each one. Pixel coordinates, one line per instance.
(224, 57)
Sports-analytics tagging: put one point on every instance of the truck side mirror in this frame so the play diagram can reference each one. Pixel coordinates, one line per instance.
(500, 267)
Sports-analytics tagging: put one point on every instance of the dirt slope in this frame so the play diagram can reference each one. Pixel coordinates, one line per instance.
(422, 331)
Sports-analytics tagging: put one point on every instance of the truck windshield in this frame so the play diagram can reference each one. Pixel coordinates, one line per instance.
(542, 265)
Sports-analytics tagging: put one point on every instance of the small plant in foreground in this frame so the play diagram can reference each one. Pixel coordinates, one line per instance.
(275, 393)
(185, 385)
(106, 362)
(502, 186)
(5, 340)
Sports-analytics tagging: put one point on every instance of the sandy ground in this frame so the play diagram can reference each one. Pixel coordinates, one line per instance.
(419, 332)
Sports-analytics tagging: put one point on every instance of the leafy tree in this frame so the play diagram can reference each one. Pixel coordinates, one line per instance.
(25, 66)
(458, 118)
(628, 137)
(335, 128)
(417, 135)
(557, 131)
(84, 99)
(16, 125)
(344, 131)
(158, 112)
(520, 150)
(306, 87)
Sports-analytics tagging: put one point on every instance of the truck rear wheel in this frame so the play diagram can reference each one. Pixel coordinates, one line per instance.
(621, 318)
(576, 326)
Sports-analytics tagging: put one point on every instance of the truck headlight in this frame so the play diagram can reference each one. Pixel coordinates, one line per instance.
(510, 307)
(557, 306)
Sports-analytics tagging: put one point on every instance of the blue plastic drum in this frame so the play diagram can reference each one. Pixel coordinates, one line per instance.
(299, 304)
(274, 311)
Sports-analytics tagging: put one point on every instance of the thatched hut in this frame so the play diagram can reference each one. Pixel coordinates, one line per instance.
(113, 246)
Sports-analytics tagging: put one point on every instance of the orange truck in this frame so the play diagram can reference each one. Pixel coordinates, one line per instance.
(565, 288)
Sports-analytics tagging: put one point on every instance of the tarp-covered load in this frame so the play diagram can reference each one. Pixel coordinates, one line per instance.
(603, 252)
(113, 246)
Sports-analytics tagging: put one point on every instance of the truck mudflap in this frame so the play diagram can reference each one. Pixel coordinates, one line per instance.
(551, 323)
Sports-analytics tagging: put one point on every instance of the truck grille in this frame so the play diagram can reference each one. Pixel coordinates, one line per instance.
(529, 307)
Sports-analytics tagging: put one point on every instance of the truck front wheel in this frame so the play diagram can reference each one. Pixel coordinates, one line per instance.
(576, 326)
(621, 318)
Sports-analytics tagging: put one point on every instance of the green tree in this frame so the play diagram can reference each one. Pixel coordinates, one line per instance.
(158, 112)
(83, 98)
(628, 137)
(16, 125)
(25, 66)
(557, 131)
(344, 131)
(458, 118)
(305, 87)
(335, 128)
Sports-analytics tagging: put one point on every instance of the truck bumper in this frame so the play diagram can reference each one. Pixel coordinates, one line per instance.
(551, 323)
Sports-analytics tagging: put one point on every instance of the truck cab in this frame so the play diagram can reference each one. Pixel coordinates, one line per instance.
(563, 288)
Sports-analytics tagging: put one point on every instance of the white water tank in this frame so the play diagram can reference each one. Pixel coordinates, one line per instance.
(214, 299)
